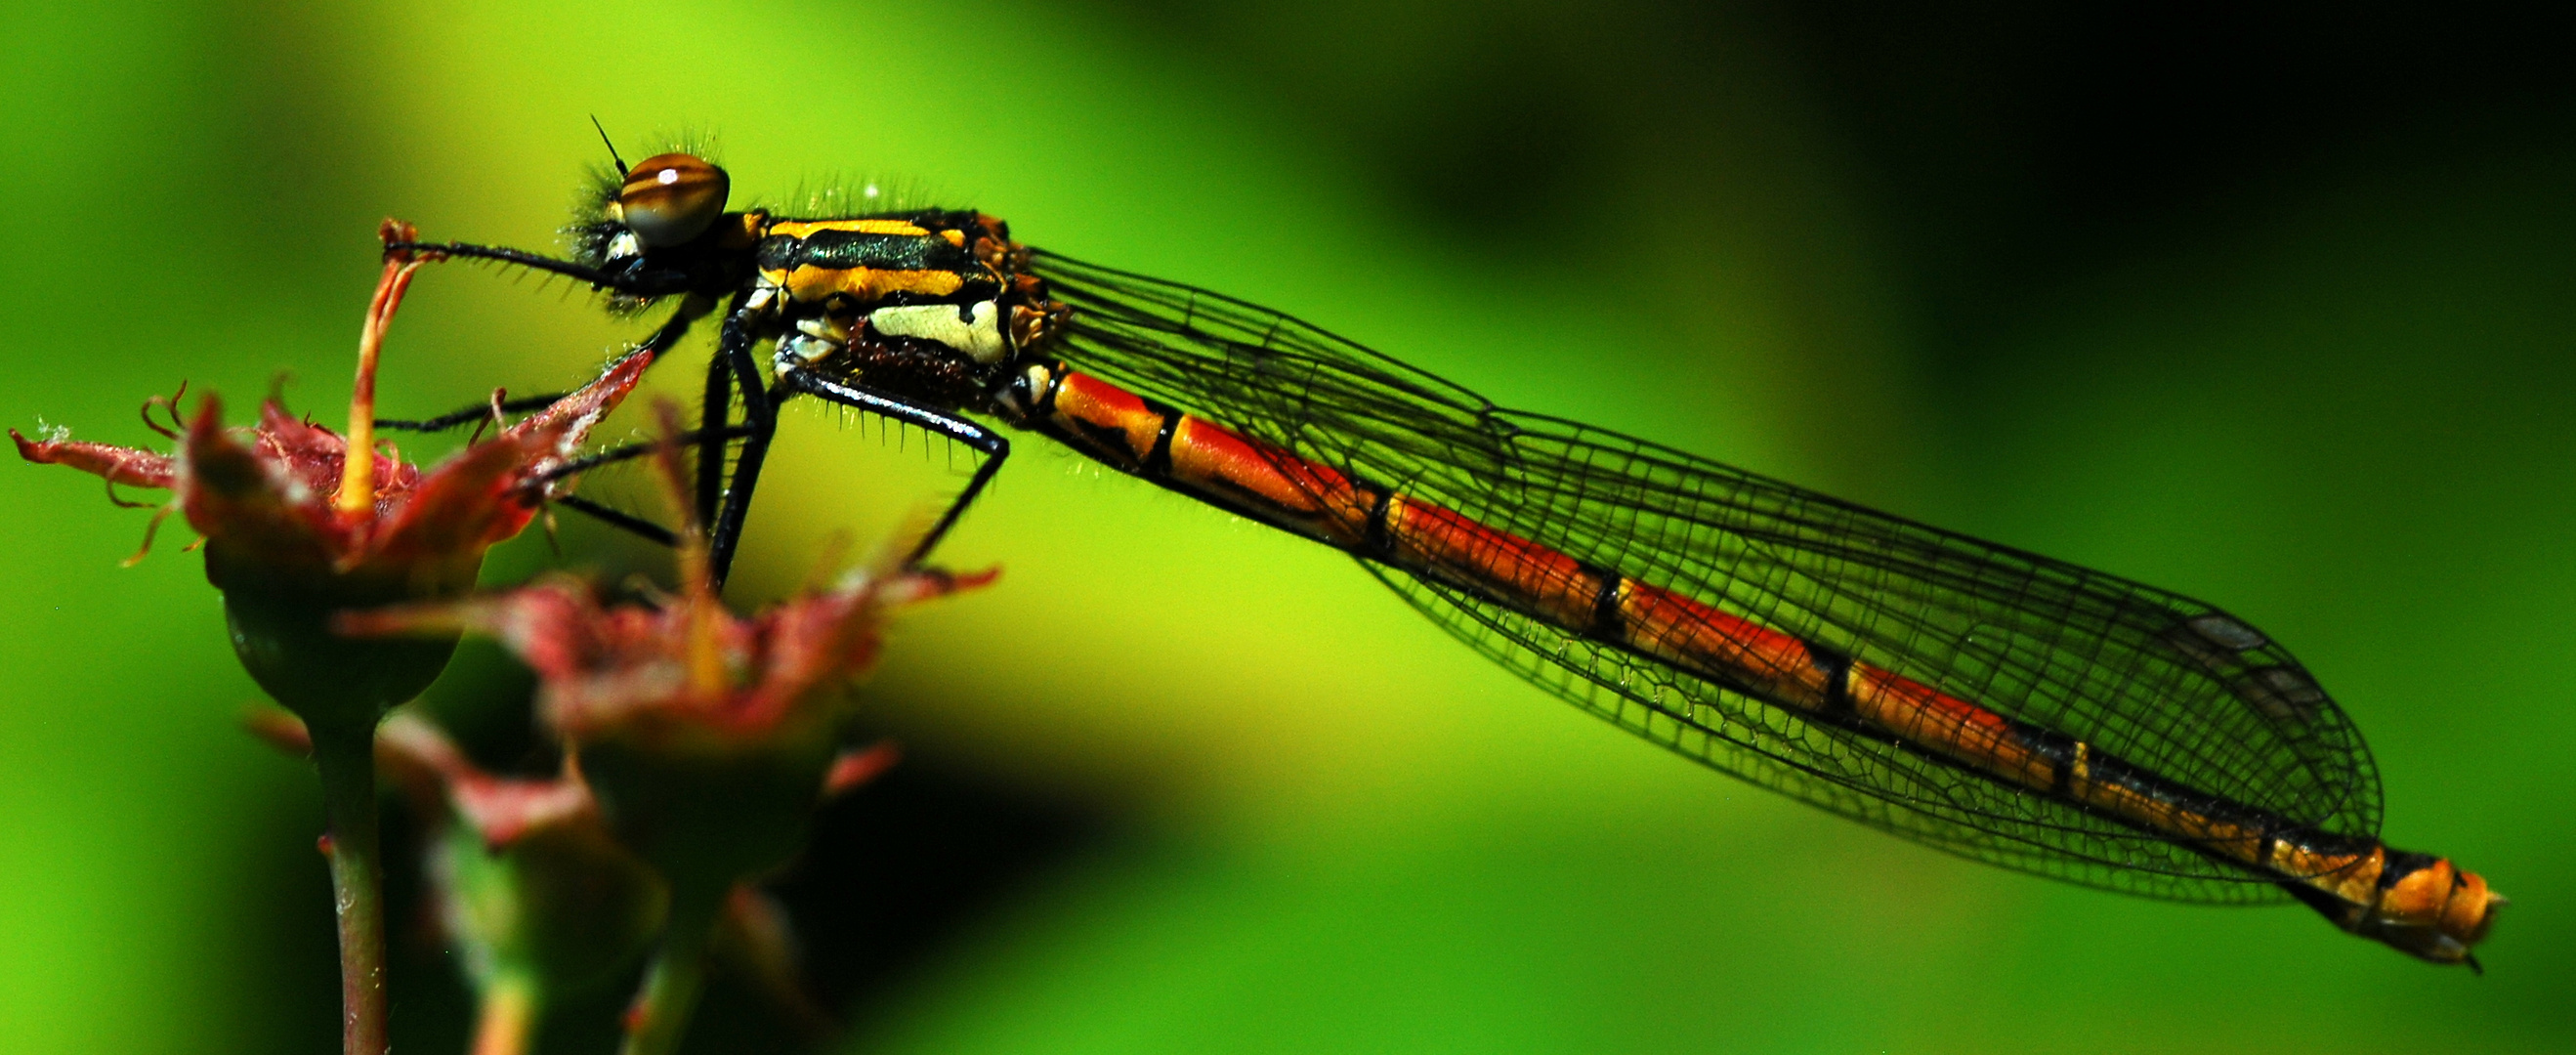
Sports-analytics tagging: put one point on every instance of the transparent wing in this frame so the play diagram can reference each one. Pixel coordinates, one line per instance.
(2170, 684)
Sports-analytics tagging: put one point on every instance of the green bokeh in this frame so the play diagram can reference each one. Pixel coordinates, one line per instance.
(2345, 409)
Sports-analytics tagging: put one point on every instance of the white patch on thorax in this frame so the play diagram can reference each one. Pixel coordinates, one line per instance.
(827, 327)
(979, 335)
(797, 349)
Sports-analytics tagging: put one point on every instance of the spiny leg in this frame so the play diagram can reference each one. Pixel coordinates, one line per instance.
(984, 441)
(618, 518)
(659, 342)
(663, 337)
(759, 425)
(629, 452)
(715, 416)
(479, 412)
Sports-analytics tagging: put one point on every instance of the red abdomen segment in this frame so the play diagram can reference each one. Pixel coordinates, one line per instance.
(2417, 903)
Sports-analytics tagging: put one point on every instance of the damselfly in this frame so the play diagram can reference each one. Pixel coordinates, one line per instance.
(1973, 697)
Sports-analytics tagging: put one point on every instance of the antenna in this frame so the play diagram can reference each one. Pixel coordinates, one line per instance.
(612, 147)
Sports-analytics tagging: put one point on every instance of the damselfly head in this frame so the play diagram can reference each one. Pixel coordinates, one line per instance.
(668, 199)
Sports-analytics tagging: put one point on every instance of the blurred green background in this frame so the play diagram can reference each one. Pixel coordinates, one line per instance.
(2272, 305)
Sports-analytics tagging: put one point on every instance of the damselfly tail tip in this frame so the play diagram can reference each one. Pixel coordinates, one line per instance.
(2435, 911)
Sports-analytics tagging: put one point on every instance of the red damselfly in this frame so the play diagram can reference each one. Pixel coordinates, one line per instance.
(1977, 698)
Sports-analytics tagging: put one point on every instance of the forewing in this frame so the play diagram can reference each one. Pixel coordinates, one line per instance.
(2167, 683)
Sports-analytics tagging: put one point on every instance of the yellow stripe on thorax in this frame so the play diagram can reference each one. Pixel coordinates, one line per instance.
(802, 228)
(863, 283)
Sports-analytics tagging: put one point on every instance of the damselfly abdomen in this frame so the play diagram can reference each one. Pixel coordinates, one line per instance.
(1970, 696)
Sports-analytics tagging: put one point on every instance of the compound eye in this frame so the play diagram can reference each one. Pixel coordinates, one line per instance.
(671, 198)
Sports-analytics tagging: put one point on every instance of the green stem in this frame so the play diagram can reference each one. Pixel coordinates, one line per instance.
(347, 760)
(509, 1016)
(660, 1016)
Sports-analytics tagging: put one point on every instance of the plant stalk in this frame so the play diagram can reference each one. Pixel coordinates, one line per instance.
(509, 1016)
(660, 1016)
(347, 760)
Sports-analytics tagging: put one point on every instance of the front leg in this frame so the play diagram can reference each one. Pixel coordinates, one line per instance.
(664, 336)
(734, 361)
(715, 430)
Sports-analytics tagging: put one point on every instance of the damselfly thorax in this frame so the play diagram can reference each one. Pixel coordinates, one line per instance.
(1974, 697)
(935, 303)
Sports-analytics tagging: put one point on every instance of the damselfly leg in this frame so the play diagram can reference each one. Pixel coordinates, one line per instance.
(983, 441)
(476, 414)
(725, 485)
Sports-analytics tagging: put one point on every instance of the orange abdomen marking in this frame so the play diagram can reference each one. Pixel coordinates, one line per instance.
(2423, 911)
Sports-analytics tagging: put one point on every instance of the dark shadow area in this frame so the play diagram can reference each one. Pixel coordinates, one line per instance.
(1999, 146)
(2008, 141)
(894, 871)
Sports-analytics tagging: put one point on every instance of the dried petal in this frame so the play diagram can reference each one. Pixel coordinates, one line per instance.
(858, 766)
(711, 778)
(286, 559)
(118, 465)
